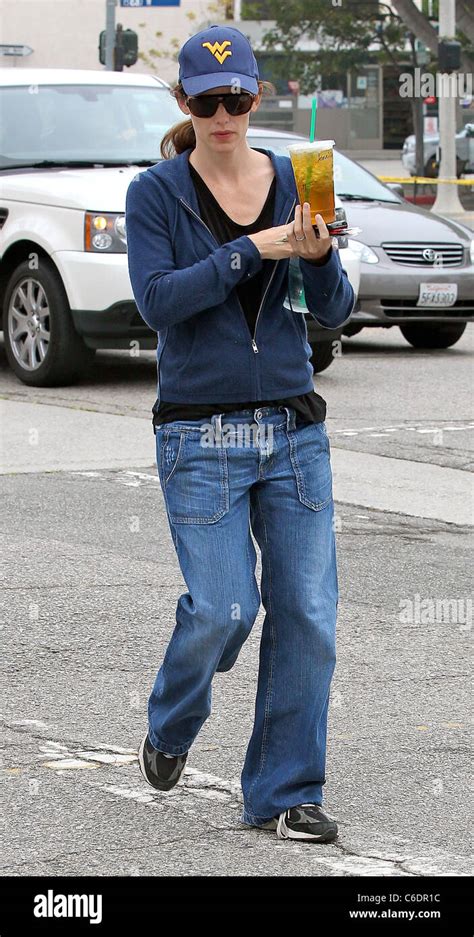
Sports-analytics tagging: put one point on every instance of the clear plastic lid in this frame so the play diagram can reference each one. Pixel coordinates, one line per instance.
(316, 145)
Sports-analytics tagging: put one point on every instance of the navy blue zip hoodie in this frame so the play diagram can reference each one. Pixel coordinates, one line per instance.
(184, 284)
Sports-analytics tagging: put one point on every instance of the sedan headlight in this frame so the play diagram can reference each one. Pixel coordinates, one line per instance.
(366, 254)
(104, 233)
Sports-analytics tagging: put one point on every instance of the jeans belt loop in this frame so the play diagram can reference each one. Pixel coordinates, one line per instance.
(290, 419)
(217, 420)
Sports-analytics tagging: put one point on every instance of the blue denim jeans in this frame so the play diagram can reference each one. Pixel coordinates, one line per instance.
(221, 478)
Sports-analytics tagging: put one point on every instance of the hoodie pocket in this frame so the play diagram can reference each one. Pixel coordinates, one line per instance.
(311, 461)
(194, 477)
(300, 325)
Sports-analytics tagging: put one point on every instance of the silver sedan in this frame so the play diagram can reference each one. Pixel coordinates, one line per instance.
(417, 268)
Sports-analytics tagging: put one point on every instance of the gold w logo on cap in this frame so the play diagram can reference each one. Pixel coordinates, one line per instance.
(217, 50)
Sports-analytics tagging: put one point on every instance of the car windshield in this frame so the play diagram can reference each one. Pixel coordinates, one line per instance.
(96, 123)
(350, 179)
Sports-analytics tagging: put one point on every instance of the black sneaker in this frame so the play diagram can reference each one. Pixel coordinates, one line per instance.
(307, 821)
(161, 772)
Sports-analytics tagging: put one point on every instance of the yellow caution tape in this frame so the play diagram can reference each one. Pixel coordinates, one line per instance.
(425, 180)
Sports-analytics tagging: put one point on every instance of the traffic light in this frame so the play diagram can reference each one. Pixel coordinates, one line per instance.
(129, 46)
(449, 55)
(125, 45)
(102, 47)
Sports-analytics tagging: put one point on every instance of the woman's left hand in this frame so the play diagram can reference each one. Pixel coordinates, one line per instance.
(310, 247)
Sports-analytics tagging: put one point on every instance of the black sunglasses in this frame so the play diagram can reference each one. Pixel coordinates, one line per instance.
(205, 105)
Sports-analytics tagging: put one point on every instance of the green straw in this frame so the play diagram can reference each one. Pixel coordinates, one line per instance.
(312, 132)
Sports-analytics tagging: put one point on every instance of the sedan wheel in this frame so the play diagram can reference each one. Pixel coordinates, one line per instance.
(433, 335)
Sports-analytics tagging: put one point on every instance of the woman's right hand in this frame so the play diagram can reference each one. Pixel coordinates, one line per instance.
(265, 242)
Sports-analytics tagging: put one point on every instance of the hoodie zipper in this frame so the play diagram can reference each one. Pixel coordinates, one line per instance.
(217, 245)
(254, 344)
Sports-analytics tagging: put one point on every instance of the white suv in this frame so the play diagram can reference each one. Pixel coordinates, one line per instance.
(71, 142)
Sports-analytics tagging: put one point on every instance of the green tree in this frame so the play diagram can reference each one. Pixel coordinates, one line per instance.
(343, 31)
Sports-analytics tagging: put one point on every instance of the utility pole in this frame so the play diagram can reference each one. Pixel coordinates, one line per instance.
(418, 110)
(110, 34)
(447, 198)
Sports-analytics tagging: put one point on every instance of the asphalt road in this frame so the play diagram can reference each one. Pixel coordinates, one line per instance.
(91, 583)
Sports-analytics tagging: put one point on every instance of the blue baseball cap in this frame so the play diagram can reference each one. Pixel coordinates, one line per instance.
(219, 55)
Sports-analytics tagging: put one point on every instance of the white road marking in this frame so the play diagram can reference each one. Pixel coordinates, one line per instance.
(110, 755)
(363, 866)
(199, 780)
(396, 864)
(206, 784)
(66, 764)
(90, 474)
(30, 722)
(143, 475)
(106, 758)
(141, 797)
(125, 477)
(400, 427)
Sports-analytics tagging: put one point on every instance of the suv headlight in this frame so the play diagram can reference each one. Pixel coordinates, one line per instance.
(104, 232)
(367, 255)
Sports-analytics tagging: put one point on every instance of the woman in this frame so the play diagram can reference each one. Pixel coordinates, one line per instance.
(209, 241)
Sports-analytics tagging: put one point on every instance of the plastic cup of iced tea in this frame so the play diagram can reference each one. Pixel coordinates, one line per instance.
(313, 167)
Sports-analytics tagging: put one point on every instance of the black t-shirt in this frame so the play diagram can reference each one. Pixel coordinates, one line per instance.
(310, 407)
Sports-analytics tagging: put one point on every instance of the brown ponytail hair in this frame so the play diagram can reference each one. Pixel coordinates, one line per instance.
(181, 136)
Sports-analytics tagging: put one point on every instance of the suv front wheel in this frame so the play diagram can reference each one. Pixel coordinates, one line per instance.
(322, 356)
(41, 343)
